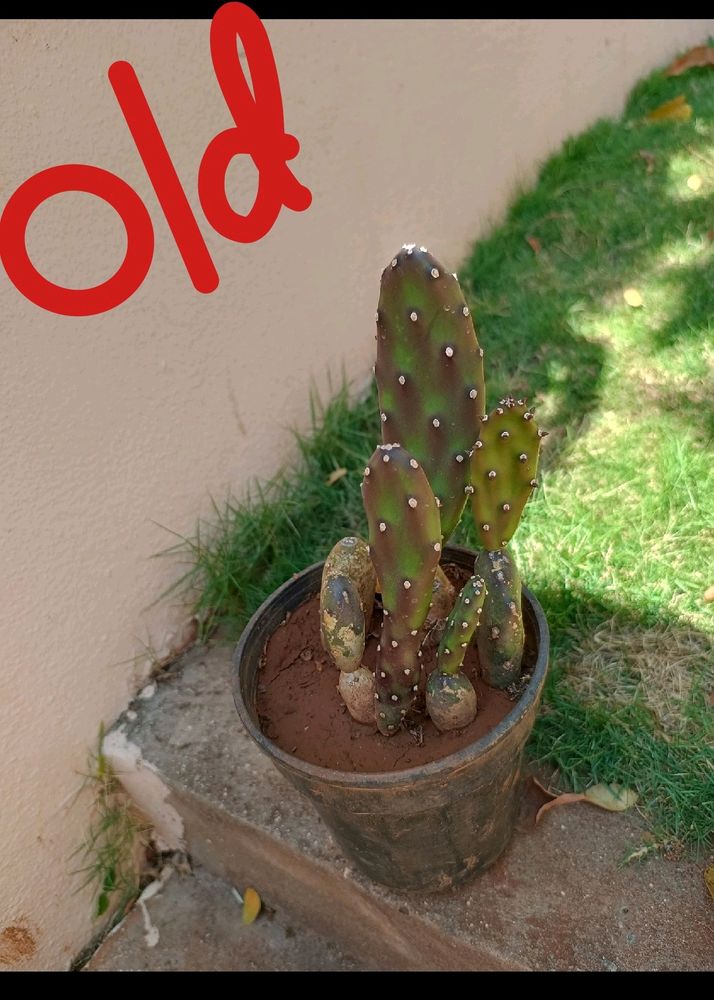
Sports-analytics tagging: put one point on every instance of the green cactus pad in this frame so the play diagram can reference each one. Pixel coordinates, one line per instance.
(460, 627)
(405, 546)
(429, 373)
(347, 601)
(500, 637)
(450, 700)
(504, 462)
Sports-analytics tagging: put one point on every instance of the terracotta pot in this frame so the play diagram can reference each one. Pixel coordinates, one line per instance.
(425, 828)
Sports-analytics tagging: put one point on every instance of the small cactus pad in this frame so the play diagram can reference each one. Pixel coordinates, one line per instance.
(405, 546)
(443, 595)
(500, 637)
(504, 462)
(460, 627)
(346, 601)
(450, 700)
(429, 373)
(342, 622)
(357, 691)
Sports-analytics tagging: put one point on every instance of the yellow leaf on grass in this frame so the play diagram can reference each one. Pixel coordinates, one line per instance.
(709, 880)
(335, 475)
(251, 905)
(709, 594)
(676, 110)
(702, 55)
(632, 297)
(694, 182)
(614, 798)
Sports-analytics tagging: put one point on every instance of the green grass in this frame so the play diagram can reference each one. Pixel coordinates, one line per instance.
(617, 544)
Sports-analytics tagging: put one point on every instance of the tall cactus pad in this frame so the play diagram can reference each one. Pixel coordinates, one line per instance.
(397, 675)
(500, 637)
(461, 626)
(504, 462)
(405, 546)
(346, 601)
(429, 373)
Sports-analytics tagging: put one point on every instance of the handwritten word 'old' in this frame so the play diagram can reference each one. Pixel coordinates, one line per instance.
(258, 131)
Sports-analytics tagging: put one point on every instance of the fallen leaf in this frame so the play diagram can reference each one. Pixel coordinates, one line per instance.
(560, 800)
(335, 475)
(702, 55)
(534, 243)
(709, 880)
(676, 110)
(251, 905)
(632, 297)
(709, 592)
(649, 159)
(694, 182)
(614, 798)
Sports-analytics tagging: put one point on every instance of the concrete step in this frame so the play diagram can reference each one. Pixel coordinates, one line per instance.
(194, 923)
(559, 898)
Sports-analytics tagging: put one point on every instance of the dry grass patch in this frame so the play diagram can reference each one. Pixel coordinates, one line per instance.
(658, 666)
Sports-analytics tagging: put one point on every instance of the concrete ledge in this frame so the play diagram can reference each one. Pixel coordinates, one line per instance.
(558, 899)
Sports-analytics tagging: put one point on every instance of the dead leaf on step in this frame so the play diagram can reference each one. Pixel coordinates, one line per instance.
(534, 243)
(632, 297)
(709, 593)
(702, 55)
(709, 880)
(251, 905)
(613, 797)
(335, 475)
(676, 110)
(649, 158)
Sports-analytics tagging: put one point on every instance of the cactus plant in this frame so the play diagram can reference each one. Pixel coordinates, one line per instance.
(503, 467)
(438, 448)
(450, 696)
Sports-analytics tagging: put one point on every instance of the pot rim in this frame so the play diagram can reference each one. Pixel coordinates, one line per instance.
(386, 779)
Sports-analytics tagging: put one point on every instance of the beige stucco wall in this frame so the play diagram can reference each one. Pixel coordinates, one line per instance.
(410, 131)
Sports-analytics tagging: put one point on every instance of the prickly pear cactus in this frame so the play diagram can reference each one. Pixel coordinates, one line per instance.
(429, 373)
(500, 638)
(405, 546)
(504, 462)
(450, 695)
(346, 601)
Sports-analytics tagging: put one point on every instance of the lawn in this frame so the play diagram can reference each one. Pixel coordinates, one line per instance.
(595, 298)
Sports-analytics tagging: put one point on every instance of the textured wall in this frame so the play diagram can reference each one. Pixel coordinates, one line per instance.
(410, 131)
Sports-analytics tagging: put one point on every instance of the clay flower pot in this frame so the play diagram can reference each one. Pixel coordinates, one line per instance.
(428, 827)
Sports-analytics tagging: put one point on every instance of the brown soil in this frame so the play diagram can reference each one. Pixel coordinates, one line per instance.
(301, 710)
